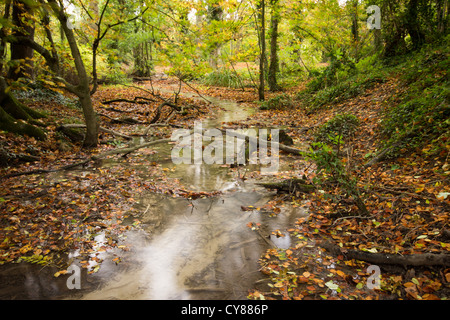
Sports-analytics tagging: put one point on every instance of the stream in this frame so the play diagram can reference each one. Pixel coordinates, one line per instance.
(186, 249)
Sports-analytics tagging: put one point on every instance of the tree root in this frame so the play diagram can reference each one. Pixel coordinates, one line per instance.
(424, 259)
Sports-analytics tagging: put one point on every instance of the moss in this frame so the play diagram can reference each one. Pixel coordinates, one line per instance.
(8, 123)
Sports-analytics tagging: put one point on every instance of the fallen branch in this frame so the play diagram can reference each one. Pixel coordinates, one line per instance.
(381, 155)
(198, 92)
(424, 259)
(268, 241)
(270, 144)
(149, 92)
(40, 171)
(158, 110)
(146, 100)
(289, 185)
(128, 150)
(115, 133)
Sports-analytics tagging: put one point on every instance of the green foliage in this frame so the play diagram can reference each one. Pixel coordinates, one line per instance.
(342, 126)
(225, 77)
(277, 102)
(222, 78)
(419, 116)
(345, 89)
(331, 168)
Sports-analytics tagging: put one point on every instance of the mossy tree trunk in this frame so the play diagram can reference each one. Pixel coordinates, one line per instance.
(24, 27)
(82, 90)
(16, 117)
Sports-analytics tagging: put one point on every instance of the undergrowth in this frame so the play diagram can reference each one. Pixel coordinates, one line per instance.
(419, 117)
(415, 117)
(228, 78)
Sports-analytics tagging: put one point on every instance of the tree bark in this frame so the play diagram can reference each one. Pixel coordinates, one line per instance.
(12, 112)
(3, 32)
(262, 57)
(413, 25)
(355, 28)
(82, 90)
(423, 259)
(274, 67)
(23, 27)
(289, 185)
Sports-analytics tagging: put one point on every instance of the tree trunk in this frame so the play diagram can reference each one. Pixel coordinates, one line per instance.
(12, 112)
(355, 28)
(215, 12)
(274, 67)
(262, 56)
(413, 25)
(82, 90)
(442, 12)
(3, 32)
(23, 27)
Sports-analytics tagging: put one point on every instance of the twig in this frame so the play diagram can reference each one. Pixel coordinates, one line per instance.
(268, 241)
(198, 92)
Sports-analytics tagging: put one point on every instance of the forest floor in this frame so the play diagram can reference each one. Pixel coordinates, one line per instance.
(42, 216)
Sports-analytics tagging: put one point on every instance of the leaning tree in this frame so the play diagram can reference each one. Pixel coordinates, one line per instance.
(10, 109)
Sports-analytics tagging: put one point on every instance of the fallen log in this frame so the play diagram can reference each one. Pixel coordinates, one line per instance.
(270, 144)
(289, 185)
(422, 259)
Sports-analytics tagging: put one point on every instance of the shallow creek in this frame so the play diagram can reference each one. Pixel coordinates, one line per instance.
(187, 249)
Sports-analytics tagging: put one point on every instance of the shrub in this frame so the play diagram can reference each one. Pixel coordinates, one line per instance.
(341, 127)
(278, 102)
(224, 78)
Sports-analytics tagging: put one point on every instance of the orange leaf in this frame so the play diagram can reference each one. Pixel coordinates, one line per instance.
(429, 296)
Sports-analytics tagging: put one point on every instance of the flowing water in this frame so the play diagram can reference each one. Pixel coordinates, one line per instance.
(187, 249)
